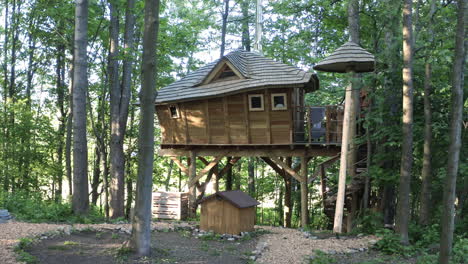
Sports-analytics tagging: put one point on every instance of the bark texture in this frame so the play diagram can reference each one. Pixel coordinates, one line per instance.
(448, 213)
(80, 202)
(403, 205)
(141, 224)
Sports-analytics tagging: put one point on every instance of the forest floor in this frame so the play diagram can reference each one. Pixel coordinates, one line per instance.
(179, 242)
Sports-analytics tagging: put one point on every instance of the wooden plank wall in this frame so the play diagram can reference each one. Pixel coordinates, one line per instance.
(227, 120)
(170, 205)
(222, 217)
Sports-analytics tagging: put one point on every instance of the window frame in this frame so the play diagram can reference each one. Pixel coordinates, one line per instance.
(285, 107)
(262, 108)
(177, 111)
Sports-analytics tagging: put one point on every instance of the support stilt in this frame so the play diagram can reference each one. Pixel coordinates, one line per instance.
(304, 194)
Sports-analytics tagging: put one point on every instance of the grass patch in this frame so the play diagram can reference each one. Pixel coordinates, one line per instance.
(115, 236)
(23, 256)
(70, 243)
(58, 247)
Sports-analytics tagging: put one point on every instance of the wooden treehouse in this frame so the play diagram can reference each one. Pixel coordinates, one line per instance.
(246, 105)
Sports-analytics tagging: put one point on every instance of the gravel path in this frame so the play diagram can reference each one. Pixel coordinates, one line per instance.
(287, 246)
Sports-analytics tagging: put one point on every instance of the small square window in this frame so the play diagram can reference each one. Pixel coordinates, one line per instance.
(174, 111)
(256, 102)
(278, 101)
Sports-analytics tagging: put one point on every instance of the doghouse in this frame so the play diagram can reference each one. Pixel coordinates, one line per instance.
(229, 212)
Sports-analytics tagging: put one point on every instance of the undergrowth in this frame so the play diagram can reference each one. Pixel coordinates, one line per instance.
(30, 207)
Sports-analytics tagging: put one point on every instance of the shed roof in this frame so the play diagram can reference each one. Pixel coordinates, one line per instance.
(256, 70)
(237, 198)
(348, 56)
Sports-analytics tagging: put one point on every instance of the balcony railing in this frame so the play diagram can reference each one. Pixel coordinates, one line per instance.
(318, 124)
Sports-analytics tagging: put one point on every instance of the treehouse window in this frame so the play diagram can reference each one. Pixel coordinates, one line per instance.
(278, 101)
(174, 111)
(256, 102)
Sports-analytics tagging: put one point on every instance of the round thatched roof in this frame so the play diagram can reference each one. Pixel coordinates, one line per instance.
(350, 56)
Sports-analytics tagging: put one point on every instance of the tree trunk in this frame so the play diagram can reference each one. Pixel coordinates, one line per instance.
(6, 179)
(96, 176)
(403, 205)
(192, 189)
(251, 180)
(304, 194)
(60, 71)
(69, 133)
(425, 196)
(117, 158)
(141, 224)
(446, 238)
(224, 27)
(80, 202)
(229, 176)
(168, 177)
(245, 25)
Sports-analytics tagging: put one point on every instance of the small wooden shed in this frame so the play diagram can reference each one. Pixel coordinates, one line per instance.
(228, 212)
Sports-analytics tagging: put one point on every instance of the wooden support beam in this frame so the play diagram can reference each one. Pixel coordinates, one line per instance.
(304, 194)
(205, 170)
(288, 169)
(274, 166)
(324, 165)
(187, 136)
(180, 165)
(250, 151)
(202, 159)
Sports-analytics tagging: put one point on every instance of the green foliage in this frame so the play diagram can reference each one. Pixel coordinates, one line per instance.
(321, 257)
(368, 222)
(390, 244)
(32, 208)
(25, 257)
(24, 243)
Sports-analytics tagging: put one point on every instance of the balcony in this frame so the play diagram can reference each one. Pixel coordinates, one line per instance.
(318, 125)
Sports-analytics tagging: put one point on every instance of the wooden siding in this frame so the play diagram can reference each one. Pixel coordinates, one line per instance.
(227, 120)
(170, 205)
(222, 217)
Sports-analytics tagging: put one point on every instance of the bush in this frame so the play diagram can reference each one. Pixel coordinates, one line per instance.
(32, 208)
(368, 222)
(391, 244)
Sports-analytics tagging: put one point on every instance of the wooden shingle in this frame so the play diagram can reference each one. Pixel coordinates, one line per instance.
(257, 72)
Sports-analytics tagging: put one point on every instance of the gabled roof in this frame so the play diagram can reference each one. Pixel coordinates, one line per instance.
(256, 71)
(237, 198)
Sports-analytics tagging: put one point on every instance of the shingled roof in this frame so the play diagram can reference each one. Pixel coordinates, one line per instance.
(237, 198)
(256, 71)
(349, 56)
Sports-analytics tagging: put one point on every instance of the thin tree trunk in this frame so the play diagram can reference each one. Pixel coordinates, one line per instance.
(448, 213)
(80, 202)
(425, 196)
(117, 158)
(403, 205)
(287, 196)
(69, 136)
(141, 231)
(60, 71)
(96, 176)
(224, 26)
(229, 176)
(251, 180)
(245, 25)
(6, 179)
(168, 177)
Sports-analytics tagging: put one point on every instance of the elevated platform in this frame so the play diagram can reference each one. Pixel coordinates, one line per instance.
(249, 150)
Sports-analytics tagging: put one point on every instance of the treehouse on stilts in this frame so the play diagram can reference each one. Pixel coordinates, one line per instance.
(246, 105)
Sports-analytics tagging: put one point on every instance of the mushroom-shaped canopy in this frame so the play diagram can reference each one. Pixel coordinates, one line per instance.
(349, 57)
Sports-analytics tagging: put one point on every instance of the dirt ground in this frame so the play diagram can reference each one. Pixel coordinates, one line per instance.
(276, 245)
(168, 247)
